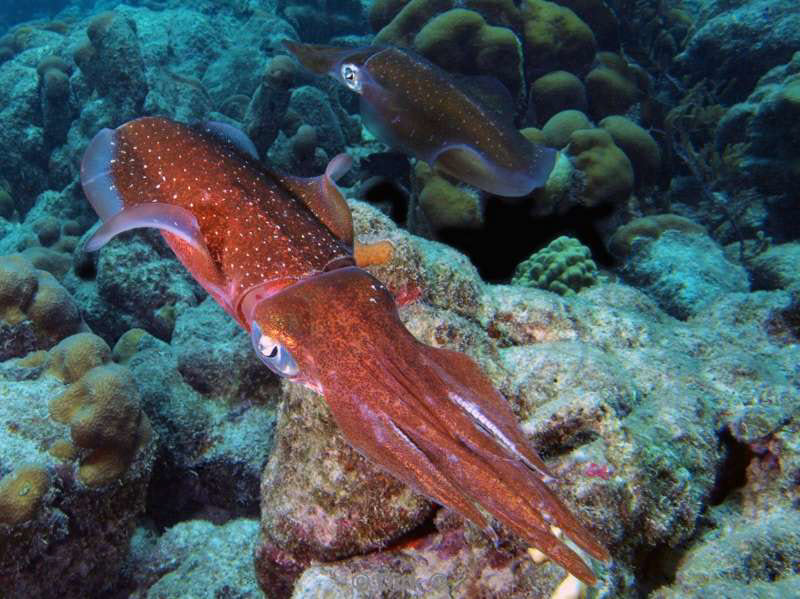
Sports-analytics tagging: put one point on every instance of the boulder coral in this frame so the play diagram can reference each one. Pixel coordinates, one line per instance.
(489, 37)
(558, 128)
(638, 145)
(66, 513)
(446, 204)
(564, 267)
(101, 407)
(649, 227)
(612, 86)
(35, 310)
(21, 494)
(607, 171)
(462, 41)
(600, 17)
(557, 91)
(556, 38)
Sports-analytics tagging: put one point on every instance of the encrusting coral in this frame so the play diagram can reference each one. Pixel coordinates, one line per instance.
(21, 493)
(650, 227)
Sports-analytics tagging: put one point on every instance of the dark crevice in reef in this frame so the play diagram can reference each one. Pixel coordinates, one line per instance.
(424, 529)
(510, 235)
(656, 568)
(732, 474)
(565, 441)
(784, 325)
(388, 192)
(659, 566)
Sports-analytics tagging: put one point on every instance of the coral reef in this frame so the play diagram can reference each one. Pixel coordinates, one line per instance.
(70, 494)
(607, 170)
(445, 203)
(649, 227)
(35, 310)
(766, 31)
(57, 109)
(638, 145)
(602, 354)
(214, 403)
(684, 272)
(112, 63)
(555, 92)
(146, 452)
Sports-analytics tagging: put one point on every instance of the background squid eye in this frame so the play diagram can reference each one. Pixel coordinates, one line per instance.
(272, 353)
(351, 77)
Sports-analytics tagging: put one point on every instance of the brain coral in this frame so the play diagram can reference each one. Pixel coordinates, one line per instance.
(565, 266)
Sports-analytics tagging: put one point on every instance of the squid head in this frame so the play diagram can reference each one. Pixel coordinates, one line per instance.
(429, 416)
(412, 104)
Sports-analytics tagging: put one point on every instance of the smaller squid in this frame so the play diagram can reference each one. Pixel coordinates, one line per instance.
(411, 104)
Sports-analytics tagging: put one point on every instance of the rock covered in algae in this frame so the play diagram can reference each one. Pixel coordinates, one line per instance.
(624, 402)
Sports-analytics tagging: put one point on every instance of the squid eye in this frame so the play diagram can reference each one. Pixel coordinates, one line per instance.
(351, 77)
(273, 354)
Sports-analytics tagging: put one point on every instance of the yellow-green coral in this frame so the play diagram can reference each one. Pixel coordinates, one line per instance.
(446, 204)
(555, 38)
(557, 91)
(565, 266)
(461, 40)
(607, 171)
(33, 298)
(101, 408)
(21, 493)
(638, 145)
(612, 86)
(650, 227)
(558, 129)
(405, 24)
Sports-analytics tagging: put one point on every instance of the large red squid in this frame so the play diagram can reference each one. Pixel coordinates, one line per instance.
(277, 253)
